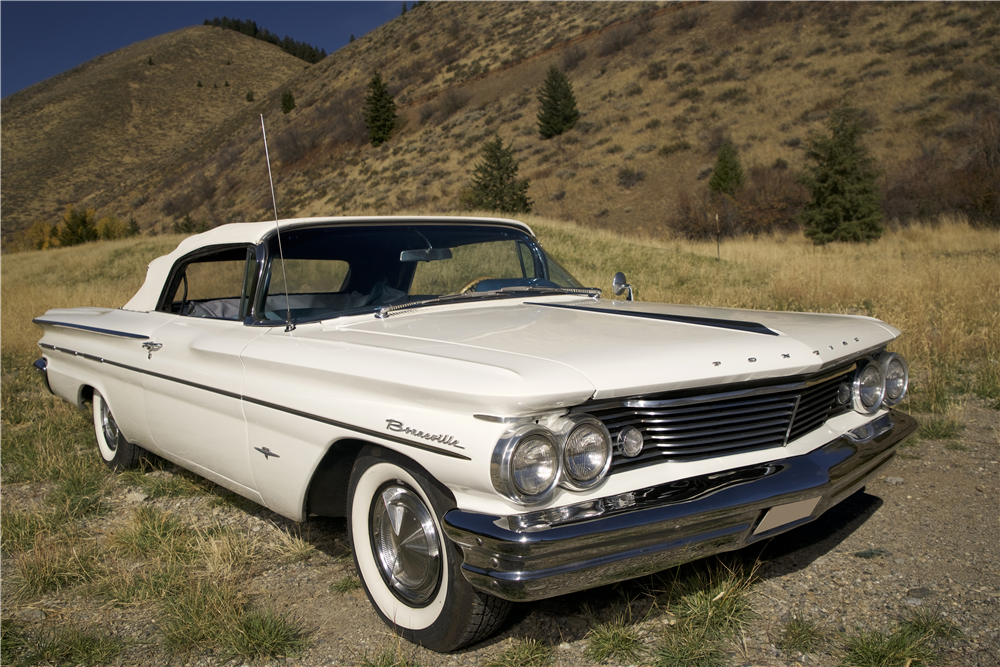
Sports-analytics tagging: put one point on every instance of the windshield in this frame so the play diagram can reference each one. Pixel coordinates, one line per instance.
(332, 271)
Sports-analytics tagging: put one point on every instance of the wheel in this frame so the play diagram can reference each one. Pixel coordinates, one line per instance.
(117, 452)
(410, 570)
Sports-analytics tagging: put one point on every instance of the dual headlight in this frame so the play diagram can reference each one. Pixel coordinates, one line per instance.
(531, 459)
(880, 382)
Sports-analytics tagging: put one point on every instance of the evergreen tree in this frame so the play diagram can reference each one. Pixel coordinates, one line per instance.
(846, 202)
(495, 186)
(249, 96)
(287, 101)
(79, 226)
(380, 111)
(727, 176)
(558, 113)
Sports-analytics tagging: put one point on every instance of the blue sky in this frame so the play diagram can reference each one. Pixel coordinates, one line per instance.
(41, 39)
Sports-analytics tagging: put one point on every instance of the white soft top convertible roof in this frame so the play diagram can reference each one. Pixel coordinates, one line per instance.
(252, 233)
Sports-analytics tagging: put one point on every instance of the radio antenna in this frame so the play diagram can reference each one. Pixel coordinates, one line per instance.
(274, 202)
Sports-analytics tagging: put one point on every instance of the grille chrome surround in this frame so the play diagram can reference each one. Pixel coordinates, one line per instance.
(682, 427)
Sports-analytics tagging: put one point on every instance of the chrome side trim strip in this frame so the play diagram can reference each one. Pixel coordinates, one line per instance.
(266, 404)
(81, 327)
(735, 325)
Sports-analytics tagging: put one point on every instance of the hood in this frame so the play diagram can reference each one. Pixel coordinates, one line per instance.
(625, 348)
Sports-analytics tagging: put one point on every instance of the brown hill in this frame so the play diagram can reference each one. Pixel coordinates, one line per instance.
(658, 88)
(82, 136)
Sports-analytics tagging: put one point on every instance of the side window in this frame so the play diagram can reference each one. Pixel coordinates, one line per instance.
(213, 285)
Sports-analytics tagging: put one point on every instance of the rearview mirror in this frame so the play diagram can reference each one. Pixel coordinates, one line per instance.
(425, 255)
(619, 285)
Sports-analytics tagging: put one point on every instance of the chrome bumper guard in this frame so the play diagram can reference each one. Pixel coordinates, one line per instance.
(672, 523)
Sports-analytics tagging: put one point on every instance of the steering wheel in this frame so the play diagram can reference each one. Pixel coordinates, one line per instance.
(472, 284)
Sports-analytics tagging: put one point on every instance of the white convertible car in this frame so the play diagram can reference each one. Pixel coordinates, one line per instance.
(492, 430)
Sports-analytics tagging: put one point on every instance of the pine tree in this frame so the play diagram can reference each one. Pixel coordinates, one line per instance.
(249, 96)
(558, 113)
(287, 101)
(79, 226)
(727, 175)
(846, 202)
(495, 186)
(380, 111)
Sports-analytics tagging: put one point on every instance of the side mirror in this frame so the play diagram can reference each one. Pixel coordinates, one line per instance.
(619, 286)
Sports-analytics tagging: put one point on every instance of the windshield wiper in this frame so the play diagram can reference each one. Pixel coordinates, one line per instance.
(592, 292)
(502, 293)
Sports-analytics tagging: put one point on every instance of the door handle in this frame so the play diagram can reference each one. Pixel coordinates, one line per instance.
(151, 348)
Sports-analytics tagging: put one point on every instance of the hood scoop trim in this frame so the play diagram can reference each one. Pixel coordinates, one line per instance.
(735, 325)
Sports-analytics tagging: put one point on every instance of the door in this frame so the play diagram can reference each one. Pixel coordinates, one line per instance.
(193, 378)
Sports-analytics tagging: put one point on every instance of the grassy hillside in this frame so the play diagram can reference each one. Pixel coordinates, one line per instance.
(83, 136)
(659, 86)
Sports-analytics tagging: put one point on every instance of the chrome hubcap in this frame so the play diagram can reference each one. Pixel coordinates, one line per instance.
(405, 542)
(110, 427)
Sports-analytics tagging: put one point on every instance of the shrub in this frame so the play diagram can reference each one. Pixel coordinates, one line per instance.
(629, 177)
(287, 101)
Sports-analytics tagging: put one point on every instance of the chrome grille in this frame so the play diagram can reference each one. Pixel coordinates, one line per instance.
(684, 427)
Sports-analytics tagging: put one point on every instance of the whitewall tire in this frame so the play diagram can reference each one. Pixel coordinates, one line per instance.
(116, 452)
(410, 570)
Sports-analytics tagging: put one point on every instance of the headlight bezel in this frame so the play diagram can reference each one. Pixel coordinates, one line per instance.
(501, 464)
(886, 360)
(859, 385)
(557, 433)
(576, 423)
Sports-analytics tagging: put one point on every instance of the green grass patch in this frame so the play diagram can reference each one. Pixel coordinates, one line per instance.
(876, 648)
(868, 554)
(80, 491)
(388, 657)
(345, 585)
(264, 633)
(216, 615)
(527, 653)
(800, 635)
(940, 428)
(713, 598)
(20, 529)
(51, 566)
(927, 623)
(153, 533)
(687, 646)
(126, 586)
(60, 646)
(616, 640)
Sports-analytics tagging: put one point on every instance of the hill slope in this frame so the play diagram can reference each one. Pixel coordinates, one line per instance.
(82, 135)
(658, 87)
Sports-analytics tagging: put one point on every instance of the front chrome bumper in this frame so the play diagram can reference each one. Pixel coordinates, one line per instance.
(673, 523)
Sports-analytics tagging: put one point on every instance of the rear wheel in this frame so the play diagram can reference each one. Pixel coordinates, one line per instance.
(410, 570)
(116, 452)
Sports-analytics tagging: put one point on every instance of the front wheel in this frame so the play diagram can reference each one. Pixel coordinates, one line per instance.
(116, 452)
(410, 570)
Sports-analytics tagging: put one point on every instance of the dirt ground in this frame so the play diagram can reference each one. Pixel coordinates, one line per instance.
(926, 534)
